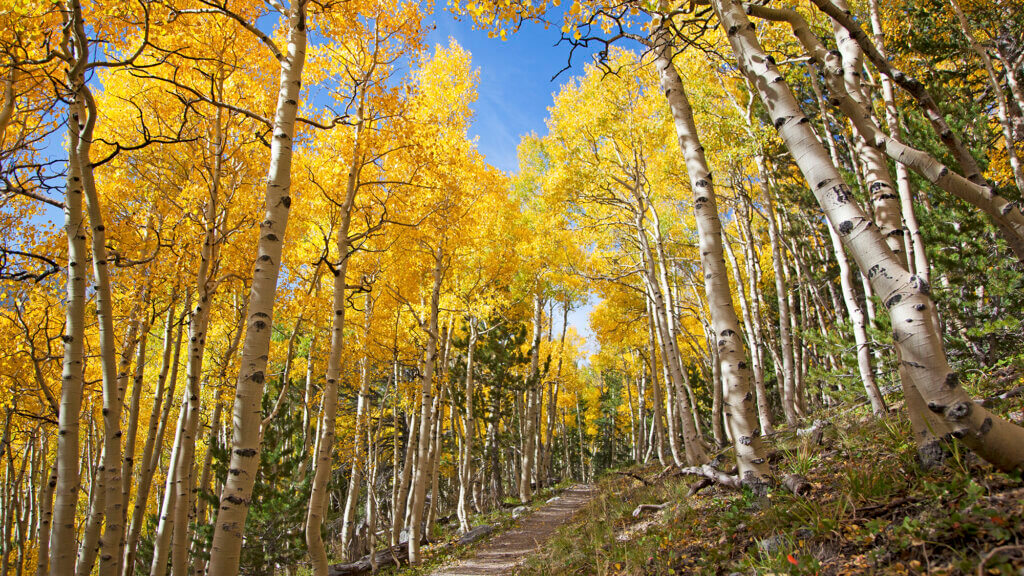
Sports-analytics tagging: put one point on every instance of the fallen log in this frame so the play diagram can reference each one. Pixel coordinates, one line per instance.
(698, 486)
(396, 555)
(393, 555)
(796, 484)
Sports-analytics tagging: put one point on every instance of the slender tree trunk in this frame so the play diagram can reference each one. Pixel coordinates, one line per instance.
(782, 295)
(165, 521)
(45, 515)
(530, 428)
(738, 404)
(466, 462)
(62, 539)
(325, 444)
(860, 335)
(970, 187)
(154, 436)
(401, 502)
(1002, 108)
(423, 469)
(247, 414)
(919, 262)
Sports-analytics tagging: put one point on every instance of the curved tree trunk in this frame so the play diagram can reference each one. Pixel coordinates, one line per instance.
(905, 296)
(225, 551)
(738, 405)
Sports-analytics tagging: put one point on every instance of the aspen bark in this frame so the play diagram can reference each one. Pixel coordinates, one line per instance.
(423, 468)
(757, 370)
(165, 521)
(325, 443)
(400, 503)
(110, 479)
(154, 436)
(694, 449)
(905, 296)
(970, 187)
(530, 428)
(885, 204)
(198, 325)
(44, 517)
(358, 460)
(62, 539)
(738, 401)
(920, 265)
(469, 424)
(225, 553)
(860, 335)
(788, 382)
(750, 256)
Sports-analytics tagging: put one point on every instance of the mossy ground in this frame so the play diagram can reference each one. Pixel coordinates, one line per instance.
(873, 510)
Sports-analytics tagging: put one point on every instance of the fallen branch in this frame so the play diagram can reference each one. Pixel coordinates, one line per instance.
(796, 484)
(648, 508)
(698, 486)
(815, 433)
(987, 402)
(988, 555)
(636, 476)
(666, 472)
(475, 534)
(877, 510)
(714, 475)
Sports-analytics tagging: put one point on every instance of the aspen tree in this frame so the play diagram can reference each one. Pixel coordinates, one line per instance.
(246, 414)
(325, 442)
(421, 474)
(906, 297)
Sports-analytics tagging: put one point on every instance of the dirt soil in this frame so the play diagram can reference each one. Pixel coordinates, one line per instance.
(509, 549)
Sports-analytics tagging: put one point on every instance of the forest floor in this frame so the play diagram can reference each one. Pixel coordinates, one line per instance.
(504, 552)
(872, 510)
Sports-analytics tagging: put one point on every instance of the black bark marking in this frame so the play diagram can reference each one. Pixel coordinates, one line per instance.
(959, 411)
(936, 407)
(245, 452)
(894, 300)
(952, 379)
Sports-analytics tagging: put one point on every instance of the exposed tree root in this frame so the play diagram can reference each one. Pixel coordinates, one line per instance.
(648, 508)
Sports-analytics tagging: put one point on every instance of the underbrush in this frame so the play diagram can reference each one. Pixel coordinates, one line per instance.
(872, 510)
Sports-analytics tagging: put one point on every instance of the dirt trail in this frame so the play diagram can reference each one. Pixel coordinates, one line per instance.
(507, 550)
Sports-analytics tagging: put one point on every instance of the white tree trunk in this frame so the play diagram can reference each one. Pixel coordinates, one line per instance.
(423, 469)
(738, 404)
(905, 296)
(323, 460)
(62, 539)
(225, 552)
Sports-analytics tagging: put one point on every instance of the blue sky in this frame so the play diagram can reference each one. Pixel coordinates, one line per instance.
(515, 91)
